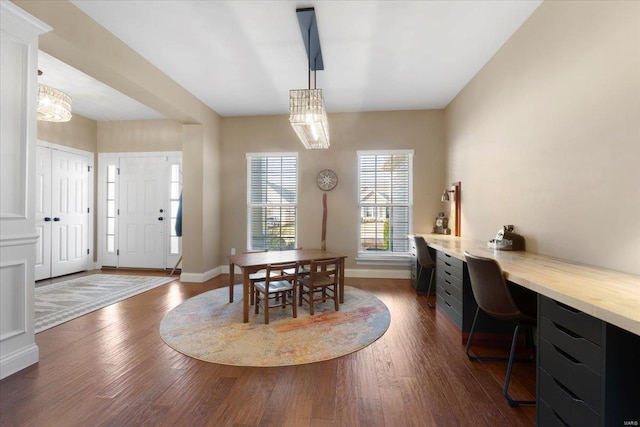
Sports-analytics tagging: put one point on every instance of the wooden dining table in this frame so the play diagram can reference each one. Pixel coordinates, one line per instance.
(250, 263)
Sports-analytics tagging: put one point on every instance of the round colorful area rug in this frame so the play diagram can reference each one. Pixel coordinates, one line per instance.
(209, 328)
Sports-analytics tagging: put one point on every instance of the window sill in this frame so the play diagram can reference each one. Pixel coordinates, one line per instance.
(398, 260)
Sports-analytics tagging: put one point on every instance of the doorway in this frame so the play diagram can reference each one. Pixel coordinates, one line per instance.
(137, 208)
(63, 188)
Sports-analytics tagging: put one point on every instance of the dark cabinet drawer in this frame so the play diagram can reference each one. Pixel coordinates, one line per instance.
(444, 303)
(547, 417)
(451, 300)
(579, 348)
(571, 373)
(573, 320)
(451, 289)
(566, 405)
(452, 274)
(449, 261)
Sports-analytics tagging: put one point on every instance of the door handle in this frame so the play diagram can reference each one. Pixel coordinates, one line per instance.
(56, 219)
(47, 218)
(160, 218)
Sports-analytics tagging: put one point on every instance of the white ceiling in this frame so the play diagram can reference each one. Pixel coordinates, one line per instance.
(242, 57)
(91, 98)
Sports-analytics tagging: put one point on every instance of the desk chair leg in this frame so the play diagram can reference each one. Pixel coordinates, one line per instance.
(492, 358)
(505, 390)
(510, 359)
(429, 287)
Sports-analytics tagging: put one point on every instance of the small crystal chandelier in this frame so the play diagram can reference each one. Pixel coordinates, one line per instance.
(53, 104)
(308, 116)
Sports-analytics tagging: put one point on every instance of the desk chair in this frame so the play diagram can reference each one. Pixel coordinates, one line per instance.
(424, 262)
(494, 298)
(321, 284)
(276, 286)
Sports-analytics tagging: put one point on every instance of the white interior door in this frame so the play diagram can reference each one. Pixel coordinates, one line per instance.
(143, 213)
(70, 213)
(62, 212)
(43, 213)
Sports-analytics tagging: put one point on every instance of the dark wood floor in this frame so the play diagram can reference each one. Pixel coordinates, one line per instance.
(111, 367)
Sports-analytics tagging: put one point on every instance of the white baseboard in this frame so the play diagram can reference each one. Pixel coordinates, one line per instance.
(371, 273)
(18, 360)
(201, 277)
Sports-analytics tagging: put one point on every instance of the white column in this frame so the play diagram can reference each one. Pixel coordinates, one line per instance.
(19, 88)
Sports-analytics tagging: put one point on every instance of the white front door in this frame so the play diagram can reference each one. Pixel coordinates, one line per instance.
(142, 212)
(62, 212)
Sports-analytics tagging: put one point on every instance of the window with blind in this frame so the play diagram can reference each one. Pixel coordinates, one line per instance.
(272, 199)
(385, 201)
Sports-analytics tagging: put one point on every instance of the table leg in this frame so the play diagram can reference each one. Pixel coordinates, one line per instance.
(245, 296)
(341, 281)
(232, 271)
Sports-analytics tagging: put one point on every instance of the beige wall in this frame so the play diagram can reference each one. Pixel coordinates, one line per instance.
(419, 130)
(83, 44)
(79, 133)
(139, 136)
(547, 135)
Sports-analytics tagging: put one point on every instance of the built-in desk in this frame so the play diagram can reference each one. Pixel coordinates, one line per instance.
(588, 332)
(608, 295)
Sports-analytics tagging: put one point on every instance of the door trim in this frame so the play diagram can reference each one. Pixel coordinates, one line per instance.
(101, 189)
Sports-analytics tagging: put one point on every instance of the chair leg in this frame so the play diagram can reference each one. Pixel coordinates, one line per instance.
(429, 289)
(311, 302)
(336, 304)
(257, 301)
(265, 304)
(505, 390)
(489, 358)
(251, 292)
(294, 304)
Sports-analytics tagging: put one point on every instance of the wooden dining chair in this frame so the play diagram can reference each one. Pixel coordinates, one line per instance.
(255, 277)
(321, 284)
(275, 289)
(303, 269)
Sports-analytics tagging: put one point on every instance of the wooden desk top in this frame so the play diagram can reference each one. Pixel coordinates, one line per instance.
(608, 295)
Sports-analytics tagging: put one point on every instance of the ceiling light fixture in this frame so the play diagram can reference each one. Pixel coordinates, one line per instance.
(308, 116)
(53, 104)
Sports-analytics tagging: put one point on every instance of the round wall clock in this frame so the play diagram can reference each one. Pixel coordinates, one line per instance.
(327, 179)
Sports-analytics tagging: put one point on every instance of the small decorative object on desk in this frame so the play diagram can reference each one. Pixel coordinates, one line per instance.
(507, 240)
(442, 224)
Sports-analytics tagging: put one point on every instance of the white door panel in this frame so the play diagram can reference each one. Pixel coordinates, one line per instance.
(43, 213)
(70, 217)
(142, 206)
(62, 217)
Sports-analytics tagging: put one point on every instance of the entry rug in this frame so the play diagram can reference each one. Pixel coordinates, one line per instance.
(60, 302)
(209, 328)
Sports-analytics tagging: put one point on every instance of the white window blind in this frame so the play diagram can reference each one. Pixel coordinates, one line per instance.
(385, 201)
(272, 199)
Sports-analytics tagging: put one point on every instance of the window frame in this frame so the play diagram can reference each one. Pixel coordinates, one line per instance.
(384, 257)
(250, 204)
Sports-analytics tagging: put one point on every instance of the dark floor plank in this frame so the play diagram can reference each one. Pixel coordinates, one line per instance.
(111, 367)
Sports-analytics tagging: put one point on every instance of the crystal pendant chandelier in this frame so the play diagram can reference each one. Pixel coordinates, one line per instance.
(53, 104)
(308, 116)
